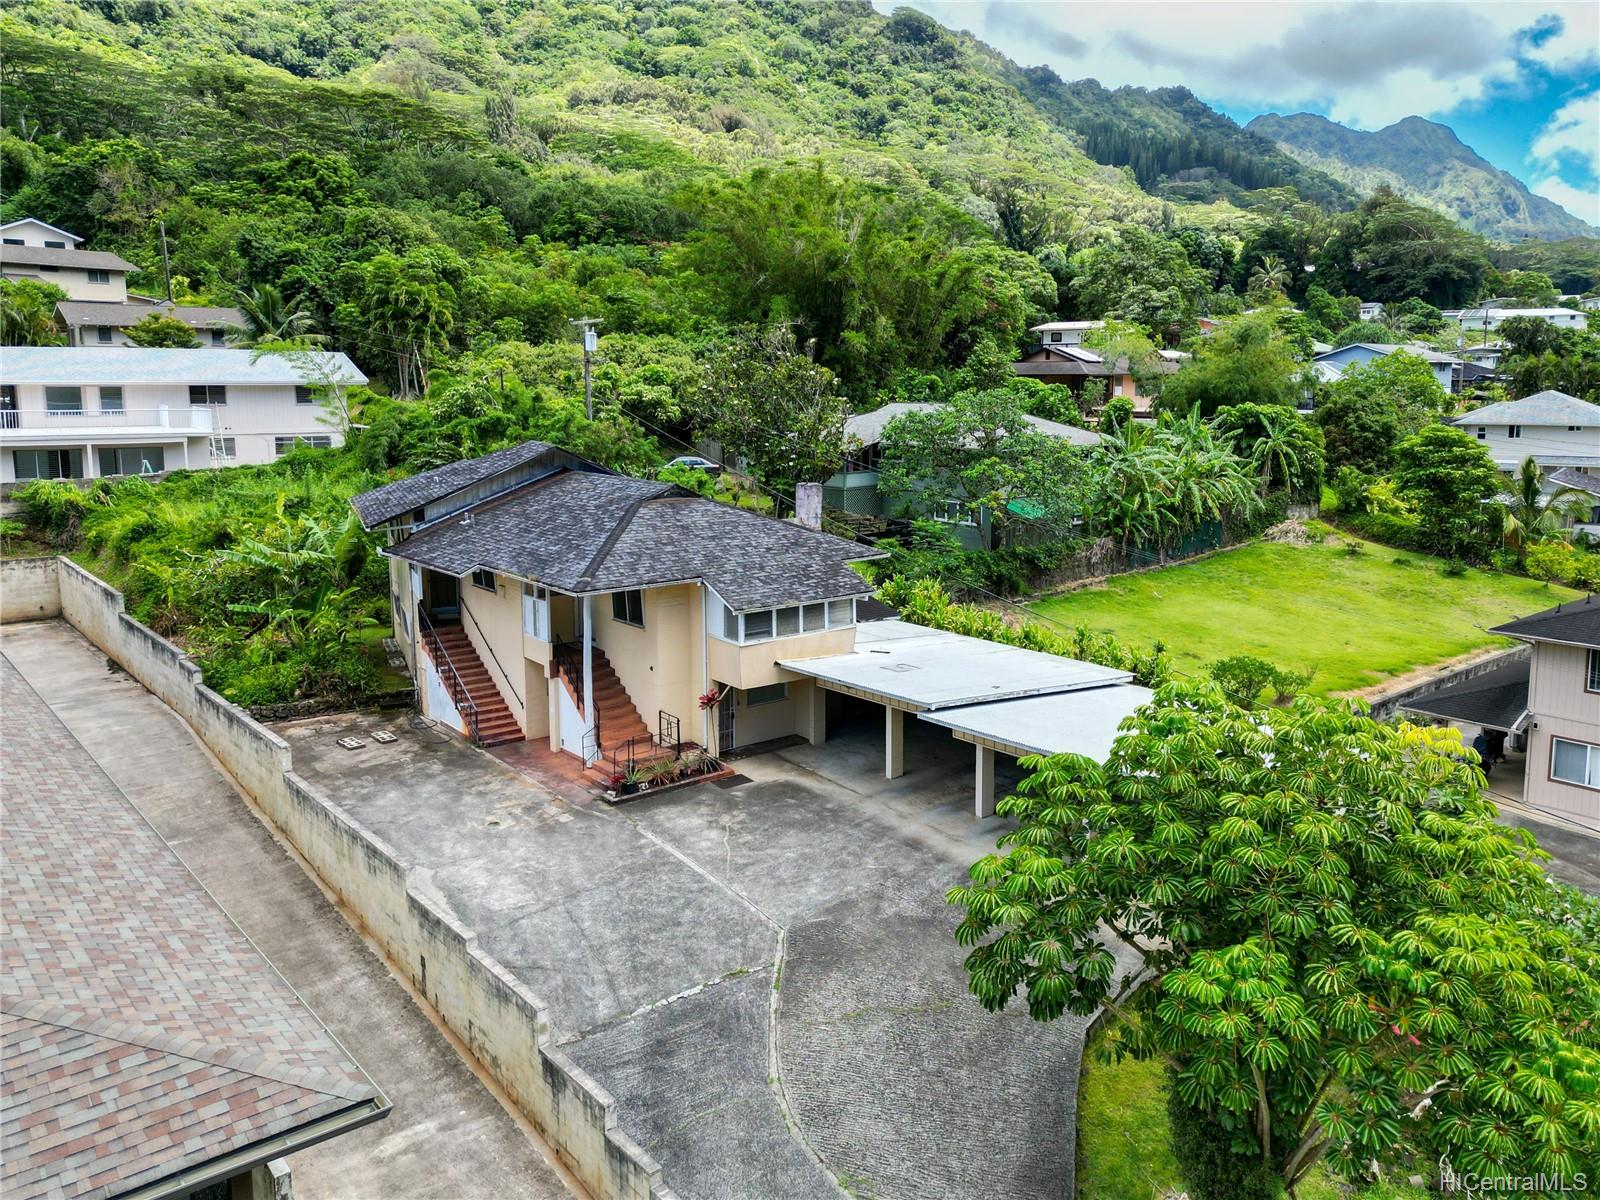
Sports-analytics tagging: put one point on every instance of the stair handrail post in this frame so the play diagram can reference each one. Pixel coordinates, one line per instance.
(453, 682)
(590, 717)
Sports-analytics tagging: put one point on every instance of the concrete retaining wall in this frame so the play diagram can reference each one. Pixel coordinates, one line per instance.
(503, 1025)
(1385, 706)
(29, 590)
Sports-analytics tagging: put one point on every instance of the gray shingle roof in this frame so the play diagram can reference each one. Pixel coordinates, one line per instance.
(85, 366)
(1575, 623)
(1497, 699)
(1567, 477)
(396, 499)
(583, 532)
(50, 256)
(121, 316)
(143, 1033)
(1541, 408)
(867, 428)
(1426, 353)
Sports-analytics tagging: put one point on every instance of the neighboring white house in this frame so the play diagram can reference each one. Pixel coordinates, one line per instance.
(1491, 318)
(1064, 333)
(1370, 310)
(103, 323)
(67, 412)
(1552, 428)
(31, 249)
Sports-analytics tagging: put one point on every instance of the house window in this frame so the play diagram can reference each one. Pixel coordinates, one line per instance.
(1592, 683)
(102, 334)
(51, 267)
(317, 441)
(218, 338)
(841, 613)
(1513, 431)
(1055, 336)
(15, 242)
(207, 393)
(814, 617)
(1574, 428)
(48, 464)
(628, 607)
(483, 579)
(99, 276)
(304, 395)
(772, 693)
(132, 460)
(1482, 433)
(110, 399)
(55, 245)
(730, 624)
(1575, 762)
(222, 447)
(757, 625)
(764, 623)
(8, 406)
(63, 400)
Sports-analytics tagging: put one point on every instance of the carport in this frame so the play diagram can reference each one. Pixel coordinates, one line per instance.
(997, 697)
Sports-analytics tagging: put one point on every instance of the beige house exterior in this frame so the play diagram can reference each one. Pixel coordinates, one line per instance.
(32, 249)
(1564, 731)
(538, 597)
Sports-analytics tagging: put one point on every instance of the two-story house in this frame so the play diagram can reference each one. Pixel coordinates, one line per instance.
(1486, 318)
(67, 412)
(31, 249)
(1073, 365)
(1064, 333)
(1563, 728)
(1552, 428)
(104, 323)
(537, 596)
(1545, 703)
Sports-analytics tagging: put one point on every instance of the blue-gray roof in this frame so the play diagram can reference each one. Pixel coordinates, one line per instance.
(1541, 408)
(86, 366)
(406, 495)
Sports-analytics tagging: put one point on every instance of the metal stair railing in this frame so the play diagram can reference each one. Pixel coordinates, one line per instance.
(453, 683)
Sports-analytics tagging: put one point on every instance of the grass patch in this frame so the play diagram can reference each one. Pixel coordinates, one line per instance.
(1356, 619)
(1125, 1153)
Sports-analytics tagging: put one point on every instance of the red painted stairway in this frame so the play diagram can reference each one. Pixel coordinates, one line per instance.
(448, 642)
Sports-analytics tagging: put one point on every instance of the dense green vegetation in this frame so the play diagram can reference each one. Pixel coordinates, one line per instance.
(1353, 619)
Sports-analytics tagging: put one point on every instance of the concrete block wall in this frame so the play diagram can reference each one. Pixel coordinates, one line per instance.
(29, 590)
(504, 1026)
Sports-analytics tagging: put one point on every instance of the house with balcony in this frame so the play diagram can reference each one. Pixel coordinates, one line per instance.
(1072, 365)
(1492, 317)
(537, 596)
(67, 412)
(1554, 429)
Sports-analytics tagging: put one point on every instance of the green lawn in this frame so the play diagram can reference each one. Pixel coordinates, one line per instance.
(1355, 619)
(1125, 1153)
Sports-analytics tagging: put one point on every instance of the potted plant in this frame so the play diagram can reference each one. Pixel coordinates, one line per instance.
(660, 772)
(633, 779)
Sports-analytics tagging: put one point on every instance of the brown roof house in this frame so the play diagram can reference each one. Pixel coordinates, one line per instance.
(149, 1049)
(540, 598)
(1066, 361)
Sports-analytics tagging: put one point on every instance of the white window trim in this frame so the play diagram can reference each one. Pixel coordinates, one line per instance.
(717, 612)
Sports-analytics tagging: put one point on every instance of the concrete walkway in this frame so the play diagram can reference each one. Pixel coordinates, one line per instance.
(447, 1137)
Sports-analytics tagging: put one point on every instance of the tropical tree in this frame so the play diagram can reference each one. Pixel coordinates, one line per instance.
(1283, 447)
(1450, 478)
(1325, 937)
(160, 330)
(269, 318)
(1141, 277)
(1270, 275)
(28, 313)
(404, 307)
(1248, 361)
(1532, 515)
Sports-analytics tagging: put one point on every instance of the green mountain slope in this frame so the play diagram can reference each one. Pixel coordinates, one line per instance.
(1425, 162)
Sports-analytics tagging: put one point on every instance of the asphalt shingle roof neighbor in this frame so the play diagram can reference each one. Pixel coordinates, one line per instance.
(1541, 408)
(867, 428)
(1575, 623)
(1497, 699)
(143, 1034)
(51, 256)
(1423, 352)
(1583, 482)
(86, 366)
(586, 532)
(120, 316)
(396, 499)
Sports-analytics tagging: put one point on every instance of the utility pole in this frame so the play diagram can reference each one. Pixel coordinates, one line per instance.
(166, 263)
(591, 342)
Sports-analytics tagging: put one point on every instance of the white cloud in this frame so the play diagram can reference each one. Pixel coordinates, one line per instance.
(1573, 132)
(1368, 62)
(1581, 202)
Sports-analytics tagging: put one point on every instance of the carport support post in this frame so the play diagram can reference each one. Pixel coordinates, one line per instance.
(983, 783)
(588, 674)
(817, 734)
(894, 743)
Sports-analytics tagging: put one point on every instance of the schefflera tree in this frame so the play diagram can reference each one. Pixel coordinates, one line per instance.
(1340, 955)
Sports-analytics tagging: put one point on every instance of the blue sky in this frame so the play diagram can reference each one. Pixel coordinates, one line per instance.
(1518, 80)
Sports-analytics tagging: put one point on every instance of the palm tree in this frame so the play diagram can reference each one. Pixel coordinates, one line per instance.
(1533, 515)
(1275, 452)
(1270, 275)
(269, 318)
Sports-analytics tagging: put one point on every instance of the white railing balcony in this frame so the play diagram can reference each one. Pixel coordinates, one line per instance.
(190, 421)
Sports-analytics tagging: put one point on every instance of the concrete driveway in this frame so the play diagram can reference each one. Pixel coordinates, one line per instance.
(763, 974)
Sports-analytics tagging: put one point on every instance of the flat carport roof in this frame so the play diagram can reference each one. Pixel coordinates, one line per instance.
(1081, 722)
(913, 668)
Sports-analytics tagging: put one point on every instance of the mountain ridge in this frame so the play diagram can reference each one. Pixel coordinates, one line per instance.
(1425, 162)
